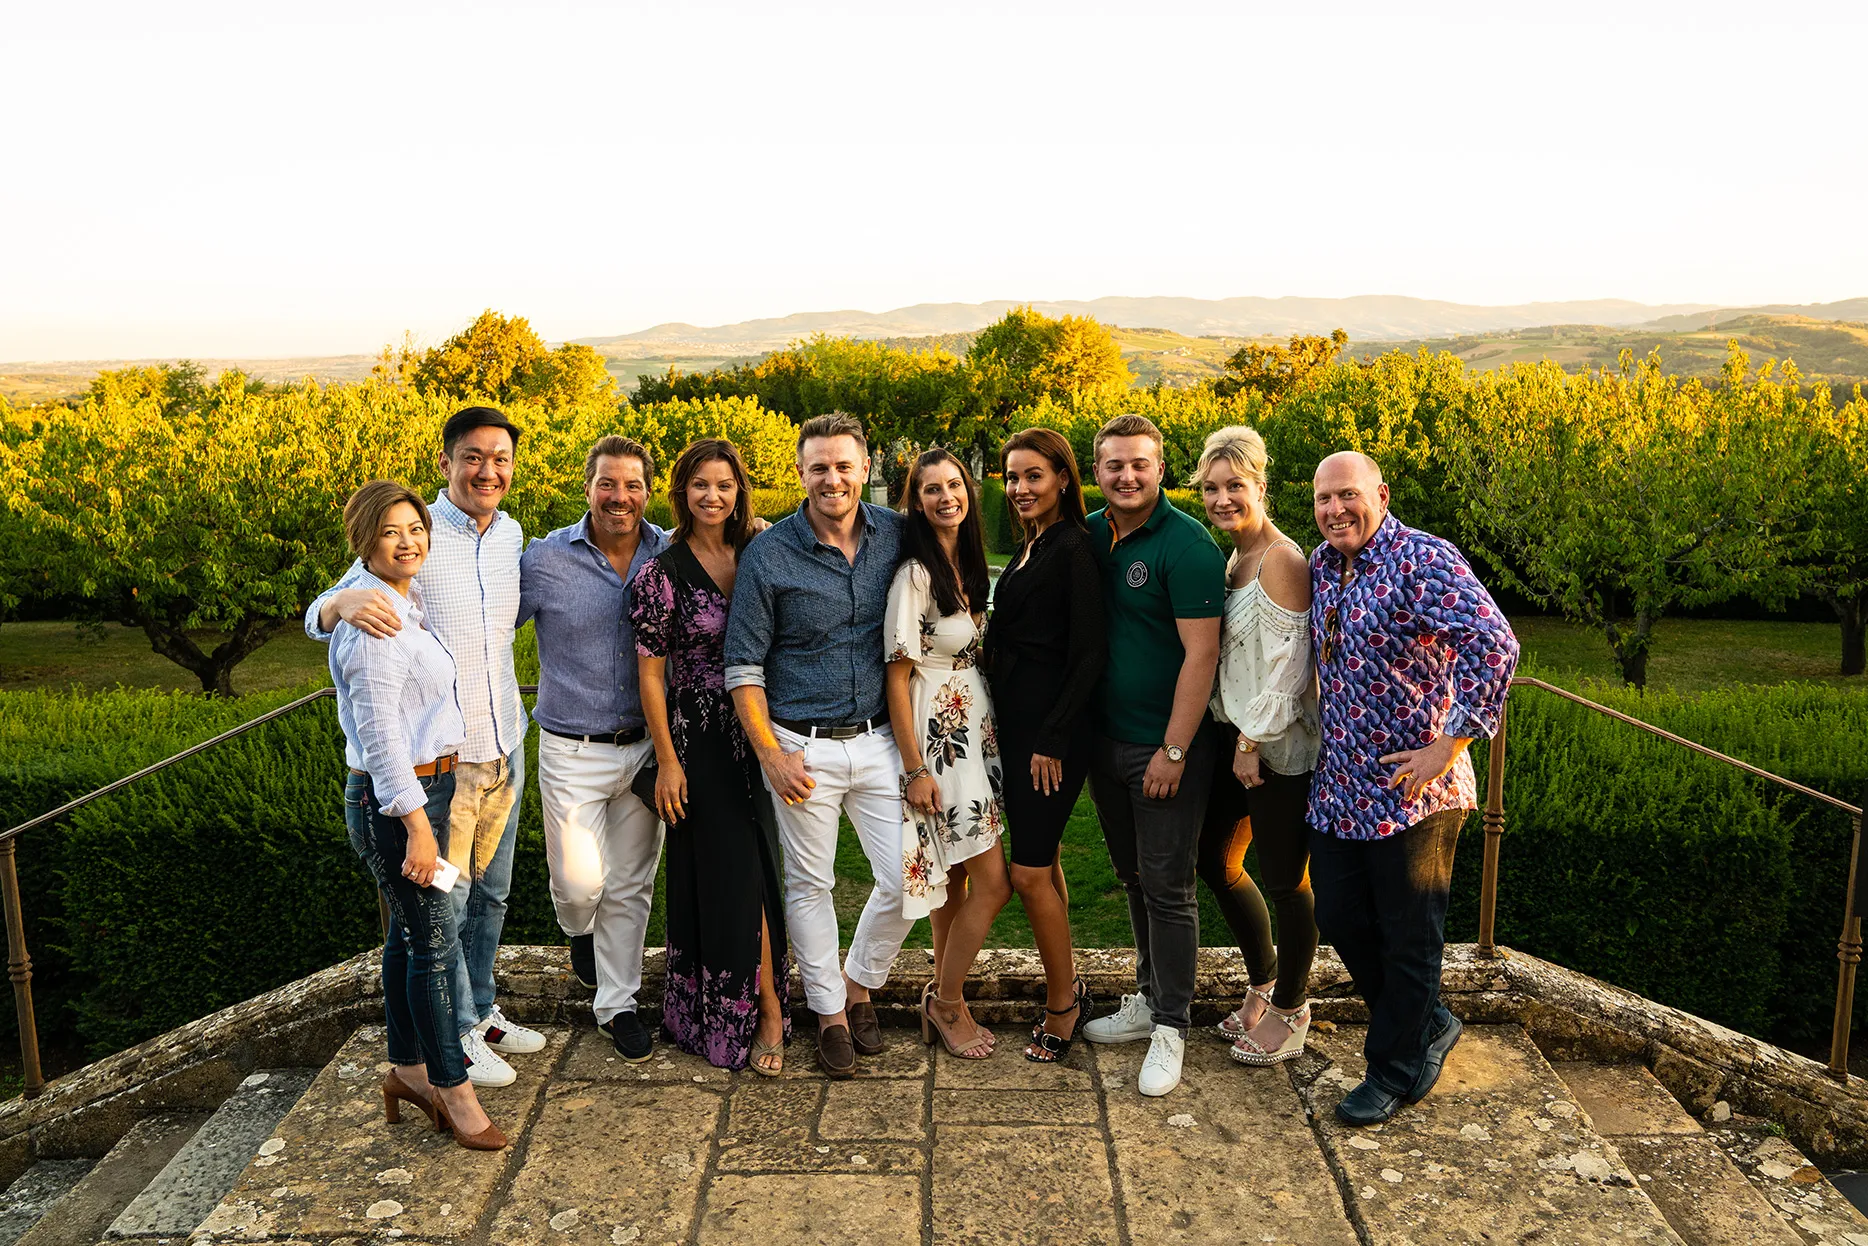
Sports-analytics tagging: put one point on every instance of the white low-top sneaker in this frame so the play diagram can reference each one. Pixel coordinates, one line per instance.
(509, 1037)
(1161, 1070)
(1133, 1021)
(484, 1067)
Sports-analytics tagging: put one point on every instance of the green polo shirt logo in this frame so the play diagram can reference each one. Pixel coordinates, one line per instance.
(1167, 569)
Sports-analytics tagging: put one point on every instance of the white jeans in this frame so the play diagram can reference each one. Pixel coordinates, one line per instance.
(602, 846)
(860, 777)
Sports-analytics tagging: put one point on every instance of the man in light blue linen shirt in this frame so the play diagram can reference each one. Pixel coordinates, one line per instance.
(602, 843)
(470, 592)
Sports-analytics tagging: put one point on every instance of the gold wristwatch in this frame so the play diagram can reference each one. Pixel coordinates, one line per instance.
(1247, 746)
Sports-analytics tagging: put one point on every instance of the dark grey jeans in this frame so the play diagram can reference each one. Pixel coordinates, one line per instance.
(1153, 845)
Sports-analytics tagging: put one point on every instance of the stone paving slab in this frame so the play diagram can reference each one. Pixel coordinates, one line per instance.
(801, 1208)
(334, 1168)
(1625, 1100)
(904, 1055)
(1226, 1157)
(201, 1172)
(593, 1058)
(84, 1216)
(856, 1110)
(1499, 1152)
(1800, 1193)
(1016, 1107)
(1022, 1183)
(604, 1160)
(1701, 1192)
(1007, 1069)
(775, 1125)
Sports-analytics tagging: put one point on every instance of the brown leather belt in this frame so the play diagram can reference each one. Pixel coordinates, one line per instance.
(427, 770)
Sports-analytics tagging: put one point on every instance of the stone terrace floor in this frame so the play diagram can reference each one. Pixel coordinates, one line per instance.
(924, 1148)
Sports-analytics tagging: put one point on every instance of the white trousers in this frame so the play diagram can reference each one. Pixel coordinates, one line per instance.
(602, 846)
(860, 777)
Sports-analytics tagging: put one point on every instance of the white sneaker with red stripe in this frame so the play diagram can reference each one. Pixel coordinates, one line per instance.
(508, 1037)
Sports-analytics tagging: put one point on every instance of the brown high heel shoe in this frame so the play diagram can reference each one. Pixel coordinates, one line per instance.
(488, 1139)
(397, 1092)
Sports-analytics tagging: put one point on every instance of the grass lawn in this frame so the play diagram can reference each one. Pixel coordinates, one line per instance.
(64, 656)
(1689, 655)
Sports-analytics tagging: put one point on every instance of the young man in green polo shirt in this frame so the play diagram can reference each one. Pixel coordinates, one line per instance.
(1164, 587)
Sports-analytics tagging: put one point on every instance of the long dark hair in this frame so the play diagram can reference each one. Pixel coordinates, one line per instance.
(1049, 444)
(952, 593)
(739, 519)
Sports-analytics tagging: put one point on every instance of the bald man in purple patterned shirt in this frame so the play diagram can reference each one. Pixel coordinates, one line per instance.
(1414, 660)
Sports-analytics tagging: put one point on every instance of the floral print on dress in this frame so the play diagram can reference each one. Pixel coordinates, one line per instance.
(721, 869)
(959, 742)
(1416, 648)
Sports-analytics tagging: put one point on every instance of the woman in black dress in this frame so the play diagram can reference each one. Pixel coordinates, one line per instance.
(727, 969)
(1045, 649)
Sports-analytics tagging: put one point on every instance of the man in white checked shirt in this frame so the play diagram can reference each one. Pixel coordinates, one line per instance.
(470, 591)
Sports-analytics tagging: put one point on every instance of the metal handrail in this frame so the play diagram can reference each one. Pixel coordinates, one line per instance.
(19, 963)
(1848, 950)
(1848, 946)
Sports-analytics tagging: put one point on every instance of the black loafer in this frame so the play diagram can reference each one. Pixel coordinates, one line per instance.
(584, 960)
(1367, 1104)
(630, 1037)
(1436, 1058)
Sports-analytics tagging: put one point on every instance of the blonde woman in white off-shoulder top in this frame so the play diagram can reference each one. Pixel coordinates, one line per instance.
(1265, 701)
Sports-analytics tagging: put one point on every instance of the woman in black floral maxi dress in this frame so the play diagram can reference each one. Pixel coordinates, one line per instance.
(722, 844)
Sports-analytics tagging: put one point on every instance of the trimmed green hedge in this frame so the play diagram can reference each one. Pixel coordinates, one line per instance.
(1624, 857)
(1636, 861)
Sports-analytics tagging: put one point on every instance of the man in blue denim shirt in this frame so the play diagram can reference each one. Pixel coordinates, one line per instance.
(602, 844)
(804, 666)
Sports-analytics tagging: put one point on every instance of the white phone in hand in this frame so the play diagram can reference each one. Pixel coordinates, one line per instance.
(446, 875)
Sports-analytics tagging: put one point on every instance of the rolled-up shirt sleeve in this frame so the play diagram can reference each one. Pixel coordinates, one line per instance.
(1485, 656)
(376, 672)
(316, 608)
(748, 627)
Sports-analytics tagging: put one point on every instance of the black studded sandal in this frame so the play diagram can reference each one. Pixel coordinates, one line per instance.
(1080, 999)
(1049, 1048)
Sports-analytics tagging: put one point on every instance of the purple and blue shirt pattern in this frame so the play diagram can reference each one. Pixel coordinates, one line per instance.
(1420, 650)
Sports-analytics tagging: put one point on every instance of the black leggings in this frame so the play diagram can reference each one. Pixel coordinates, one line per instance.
(1272, 814)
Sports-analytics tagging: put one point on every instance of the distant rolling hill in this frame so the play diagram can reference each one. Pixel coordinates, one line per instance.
(1847, 309)
(1833, 351)
(1372, 316)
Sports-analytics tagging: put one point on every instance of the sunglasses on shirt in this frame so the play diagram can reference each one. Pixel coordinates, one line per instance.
(1332, 629)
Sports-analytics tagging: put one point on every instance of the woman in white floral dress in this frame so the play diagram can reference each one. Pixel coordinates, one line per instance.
(953, 869)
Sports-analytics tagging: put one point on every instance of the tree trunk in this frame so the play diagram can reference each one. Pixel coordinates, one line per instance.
(1630, 646)
(214, 669)
(1853, 612)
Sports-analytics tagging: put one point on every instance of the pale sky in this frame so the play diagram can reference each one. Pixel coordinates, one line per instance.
(252, 178)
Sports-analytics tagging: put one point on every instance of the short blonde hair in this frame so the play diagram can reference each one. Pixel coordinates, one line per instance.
(1238, 445)
(369, 506)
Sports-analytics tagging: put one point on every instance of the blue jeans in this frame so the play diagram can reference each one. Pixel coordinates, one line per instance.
(423, 945)
(1382, 904)
(480, 911)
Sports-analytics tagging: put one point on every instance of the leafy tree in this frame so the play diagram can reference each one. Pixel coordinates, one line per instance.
(1027, 356)
(213, 531)
(1274, 371)
(1617, 497)
(180, 387)
(1837, 529)
(767, 441)
(502, 360)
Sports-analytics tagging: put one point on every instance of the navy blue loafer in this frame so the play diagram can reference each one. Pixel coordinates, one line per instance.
(1436, 1058)
(1367, 1104)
